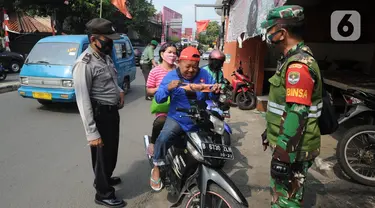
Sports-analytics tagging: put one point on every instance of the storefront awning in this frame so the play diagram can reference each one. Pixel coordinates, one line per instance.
(247, 15)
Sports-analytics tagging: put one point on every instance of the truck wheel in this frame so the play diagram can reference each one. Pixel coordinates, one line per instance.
(126, 85)
(15, 66)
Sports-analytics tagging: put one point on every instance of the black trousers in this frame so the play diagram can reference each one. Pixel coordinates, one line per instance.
(146, 68)
(104, 158)
(157, 126)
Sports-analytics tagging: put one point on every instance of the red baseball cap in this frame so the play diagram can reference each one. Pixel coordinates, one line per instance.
(190, 53)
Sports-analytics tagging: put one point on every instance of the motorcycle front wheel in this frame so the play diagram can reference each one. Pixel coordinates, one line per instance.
(215, 197)
(356, 154)
(246, 100)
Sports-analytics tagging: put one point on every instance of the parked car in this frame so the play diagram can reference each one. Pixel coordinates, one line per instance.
(47, 77)
(11, 61)
(205, 56)
(138, 50)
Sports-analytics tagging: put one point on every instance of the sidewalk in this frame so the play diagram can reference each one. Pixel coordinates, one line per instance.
(8, 86)
(250, 171)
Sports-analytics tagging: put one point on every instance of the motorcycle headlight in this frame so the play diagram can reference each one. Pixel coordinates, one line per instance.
(198, 156)
(222, 98)
(24, 80)
(67, 83)
(218, 125)
(195, 138)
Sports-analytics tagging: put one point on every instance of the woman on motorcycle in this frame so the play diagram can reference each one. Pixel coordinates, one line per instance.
(167, 54)
(185, 82)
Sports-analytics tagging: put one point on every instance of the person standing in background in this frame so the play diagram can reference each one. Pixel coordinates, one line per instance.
(99, 98)
(147, 62)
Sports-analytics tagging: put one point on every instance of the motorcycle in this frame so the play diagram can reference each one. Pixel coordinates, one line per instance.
(222, 107)
(3, 73)
(193, 169)
(356, 150)
(243, 90)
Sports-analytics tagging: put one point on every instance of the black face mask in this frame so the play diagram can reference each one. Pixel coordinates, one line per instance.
(215, 64)
(106, 46)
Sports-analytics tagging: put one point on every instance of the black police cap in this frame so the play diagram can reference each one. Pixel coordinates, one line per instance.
(101, 26)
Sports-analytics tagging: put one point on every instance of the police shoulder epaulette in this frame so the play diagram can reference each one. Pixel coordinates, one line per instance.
(86, 59)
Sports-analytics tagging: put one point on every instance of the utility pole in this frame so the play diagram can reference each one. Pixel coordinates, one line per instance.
(167, 32)
(101, 8)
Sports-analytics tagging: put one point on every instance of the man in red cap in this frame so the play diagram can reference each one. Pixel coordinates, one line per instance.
(185, 83)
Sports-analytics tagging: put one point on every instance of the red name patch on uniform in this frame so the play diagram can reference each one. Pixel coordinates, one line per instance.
(299, 84)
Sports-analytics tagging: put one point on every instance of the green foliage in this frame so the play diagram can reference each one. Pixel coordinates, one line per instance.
(174, 39)
(72, 18)
(211, 34)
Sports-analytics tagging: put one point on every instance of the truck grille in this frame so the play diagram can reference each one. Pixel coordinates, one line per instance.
(45, 82)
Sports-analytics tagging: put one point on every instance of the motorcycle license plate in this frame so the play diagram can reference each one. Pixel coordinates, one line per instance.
(42, 95)
(217, 151)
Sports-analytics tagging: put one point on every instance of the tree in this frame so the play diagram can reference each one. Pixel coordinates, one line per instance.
(210, 35)
(174, 39)
(72, 18)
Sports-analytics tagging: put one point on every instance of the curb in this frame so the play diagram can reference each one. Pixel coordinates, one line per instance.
(9, 88)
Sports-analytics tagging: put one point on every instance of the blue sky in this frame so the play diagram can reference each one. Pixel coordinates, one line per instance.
(186, 8)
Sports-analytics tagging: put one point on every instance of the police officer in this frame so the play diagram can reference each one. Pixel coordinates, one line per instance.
(294, 106)
(99, 98)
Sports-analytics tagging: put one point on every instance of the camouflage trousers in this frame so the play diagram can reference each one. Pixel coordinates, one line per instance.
(289, 192)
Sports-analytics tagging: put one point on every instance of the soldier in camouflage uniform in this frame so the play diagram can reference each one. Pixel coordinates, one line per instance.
(294, 106)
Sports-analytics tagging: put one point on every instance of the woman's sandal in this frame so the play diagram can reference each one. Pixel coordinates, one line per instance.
(156, 183)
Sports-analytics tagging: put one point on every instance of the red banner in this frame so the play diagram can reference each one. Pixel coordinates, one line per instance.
(202, 25)
(121, 5)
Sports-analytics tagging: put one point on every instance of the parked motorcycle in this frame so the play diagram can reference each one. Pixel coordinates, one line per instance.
(3, 73)
(356, 150)
(243, 90)
(193, 171)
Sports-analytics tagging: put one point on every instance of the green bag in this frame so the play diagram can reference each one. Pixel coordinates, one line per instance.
(160, 108)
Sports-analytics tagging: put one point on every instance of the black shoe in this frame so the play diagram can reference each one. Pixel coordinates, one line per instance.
(114, 181)
(148, 98)
(115, 203)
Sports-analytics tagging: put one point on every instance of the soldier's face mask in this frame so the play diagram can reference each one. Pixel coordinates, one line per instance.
(105, 46)
(270, 38)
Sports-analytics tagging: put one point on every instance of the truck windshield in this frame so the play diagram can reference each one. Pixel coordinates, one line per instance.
(53, 54)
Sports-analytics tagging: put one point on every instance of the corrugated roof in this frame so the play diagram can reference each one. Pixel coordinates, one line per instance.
(22, 23)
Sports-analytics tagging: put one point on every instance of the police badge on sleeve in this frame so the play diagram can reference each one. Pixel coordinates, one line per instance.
(293, 77)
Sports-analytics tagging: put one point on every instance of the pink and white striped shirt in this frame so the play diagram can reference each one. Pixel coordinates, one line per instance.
(154, 79)
(156, 76)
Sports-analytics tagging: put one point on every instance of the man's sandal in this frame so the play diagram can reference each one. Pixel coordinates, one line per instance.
(156, 183)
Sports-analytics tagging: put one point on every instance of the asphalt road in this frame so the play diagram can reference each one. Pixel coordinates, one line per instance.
(45, 161)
